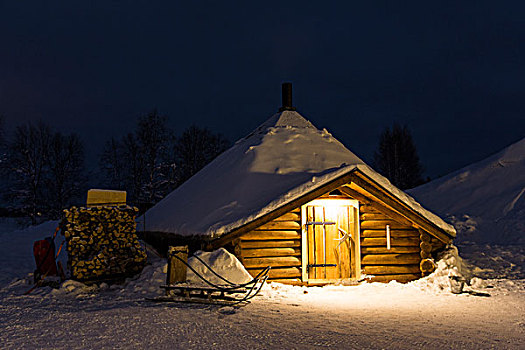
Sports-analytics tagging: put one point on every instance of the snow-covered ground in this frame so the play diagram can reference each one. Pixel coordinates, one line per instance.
(485, 201)
(422, 314)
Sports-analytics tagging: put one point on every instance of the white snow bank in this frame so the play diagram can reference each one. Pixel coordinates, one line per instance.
(449, 264)
(485, 200)
(366, 295)
(8, 224)
(17, 265)
(73, 289)
(495, 261)
(223, 263)
(147, 284)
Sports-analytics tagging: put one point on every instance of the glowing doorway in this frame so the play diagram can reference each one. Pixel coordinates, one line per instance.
(330, 240)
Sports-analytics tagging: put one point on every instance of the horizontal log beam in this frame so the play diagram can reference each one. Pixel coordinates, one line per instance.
(271, 235)
(270, 244)
(373, 216)
(381, 224)
(280, 225)
(290, 217)
(373, 206)
(276, 273)
(394, 204)
(393, 233)
(290, 281)
(384, 250)
(292, 206)
(402, 278)
(285, 261)
(365, 206)
(390, 259)
(391, 269)
(394, 241)
(270, 252)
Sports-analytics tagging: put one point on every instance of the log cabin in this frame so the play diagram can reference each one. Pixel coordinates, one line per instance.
(292, 197)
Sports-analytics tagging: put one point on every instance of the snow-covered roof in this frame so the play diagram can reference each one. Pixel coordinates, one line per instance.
(277, 163)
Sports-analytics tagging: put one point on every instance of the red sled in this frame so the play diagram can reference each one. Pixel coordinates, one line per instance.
(44, 252)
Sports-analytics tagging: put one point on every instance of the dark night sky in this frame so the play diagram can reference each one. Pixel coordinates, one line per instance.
(453, 71)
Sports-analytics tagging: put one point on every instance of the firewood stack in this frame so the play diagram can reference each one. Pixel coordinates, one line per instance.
(102, 242)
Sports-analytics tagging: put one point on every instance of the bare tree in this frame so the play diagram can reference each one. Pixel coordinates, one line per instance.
(151, 162)
(133, 165)
(66, 178)
(141, 163)
(112, 164)
(155, 140)
(28, 154)
(46, 170)
(195, 149)
(397, 158)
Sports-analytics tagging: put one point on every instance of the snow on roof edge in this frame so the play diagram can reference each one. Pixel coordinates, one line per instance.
(407, 199)
(317, 182)
(296, 193)
(301, 190)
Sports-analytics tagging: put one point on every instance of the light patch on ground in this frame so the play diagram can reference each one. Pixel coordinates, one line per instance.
(423, 314)
(369, 316)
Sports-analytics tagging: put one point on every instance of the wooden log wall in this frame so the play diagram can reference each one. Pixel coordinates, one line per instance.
(276, 244)
(402, 261)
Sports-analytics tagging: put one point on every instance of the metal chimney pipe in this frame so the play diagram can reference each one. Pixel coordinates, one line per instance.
(287, 98)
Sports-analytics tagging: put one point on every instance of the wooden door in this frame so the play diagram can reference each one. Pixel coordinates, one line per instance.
(329, 236)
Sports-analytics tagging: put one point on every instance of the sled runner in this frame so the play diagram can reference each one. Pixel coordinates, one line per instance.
(225, 294)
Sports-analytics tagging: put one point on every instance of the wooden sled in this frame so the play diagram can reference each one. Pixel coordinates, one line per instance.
(177, 290)
(201, 295)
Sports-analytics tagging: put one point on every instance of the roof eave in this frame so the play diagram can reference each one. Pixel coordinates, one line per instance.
(284, 208)
(357, 176)
(376, 189)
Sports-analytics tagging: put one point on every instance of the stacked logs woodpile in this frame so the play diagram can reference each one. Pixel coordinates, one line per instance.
(276, 244)
(402, 261)
(102, 242)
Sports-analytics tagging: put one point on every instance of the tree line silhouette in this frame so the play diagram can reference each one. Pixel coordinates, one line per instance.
(44, 170)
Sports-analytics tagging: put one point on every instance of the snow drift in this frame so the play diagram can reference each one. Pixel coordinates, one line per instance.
(222, 262)
(148, 283)
(486, 200)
